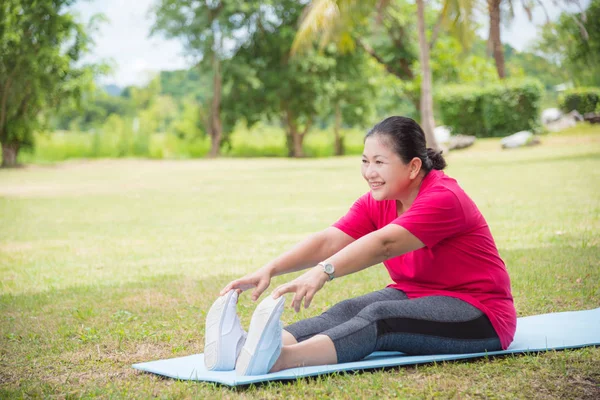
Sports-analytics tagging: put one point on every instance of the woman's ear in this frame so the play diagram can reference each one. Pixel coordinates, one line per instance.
(415, 167)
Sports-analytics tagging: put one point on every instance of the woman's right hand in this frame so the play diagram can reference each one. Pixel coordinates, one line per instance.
(260, 280)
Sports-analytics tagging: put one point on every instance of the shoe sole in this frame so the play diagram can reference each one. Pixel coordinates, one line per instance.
(261, 319)
(214, 325)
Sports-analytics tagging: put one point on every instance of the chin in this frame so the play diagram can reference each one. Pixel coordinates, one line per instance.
(378, 195)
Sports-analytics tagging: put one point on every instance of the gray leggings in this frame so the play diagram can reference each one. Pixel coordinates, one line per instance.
(388, 320)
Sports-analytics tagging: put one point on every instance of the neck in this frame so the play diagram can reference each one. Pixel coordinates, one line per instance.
(412, 191)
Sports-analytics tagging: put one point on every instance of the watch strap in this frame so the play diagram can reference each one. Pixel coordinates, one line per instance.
(324, 267)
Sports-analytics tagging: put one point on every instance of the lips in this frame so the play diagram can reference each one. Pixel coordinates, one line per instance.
(375, 185)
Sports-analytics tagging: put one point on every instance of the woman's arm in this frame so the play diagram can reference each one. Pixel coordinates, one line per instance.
(390, 241)
(305, 254)
(387, 242)
(310, 251)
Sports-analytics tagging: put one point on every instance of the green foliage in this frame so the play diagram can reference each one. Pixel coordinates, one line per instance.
(93, 109)
(518, 64)
(211, 32)
(392, 34)
(265, 82)
(523, 64)
(117, 139)
(189, 122)
(494, 110)
(349, 94)
(575, 50)
(40, 44)
(184, 84)
(584, 100)
(262, 83)
(204, 26)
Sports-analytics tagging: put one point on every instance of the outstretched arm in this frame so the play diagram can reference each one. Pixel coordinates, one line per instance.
(387, 242)
(310, 251)
(303, 255)
(390, 241)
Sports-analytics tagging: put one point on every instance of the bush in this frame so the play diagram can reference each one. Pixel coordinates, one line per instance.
(495, 110)
(118, 139)
(584, 100)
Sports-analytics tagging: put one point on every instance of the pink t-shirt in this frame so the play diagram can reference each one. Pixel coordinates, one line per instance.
(460, 258)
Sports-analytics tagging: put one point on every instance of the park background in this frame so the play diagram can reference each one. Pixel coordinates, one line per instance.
(139, 192)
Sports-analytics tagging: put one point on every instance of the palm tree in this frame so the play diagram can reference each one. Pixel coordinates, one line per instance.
(494, 40)
(337, 18)
(495, 13)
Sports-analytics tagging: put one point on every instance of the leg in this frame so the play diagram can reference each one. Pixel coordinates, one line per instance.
(336, 315)
(318, 350)
(287, 338)
(302, 344)
(427, 325)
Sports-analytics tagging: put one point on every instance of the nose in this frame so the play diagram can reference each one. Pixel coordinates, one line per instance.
(369, 171)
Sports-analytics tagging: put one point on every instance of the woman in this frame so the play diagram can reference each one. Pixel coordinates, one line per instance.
(450, 291)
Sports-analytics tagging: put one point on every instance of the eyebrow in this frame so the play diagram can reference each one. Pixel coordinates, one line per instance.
(376, 155)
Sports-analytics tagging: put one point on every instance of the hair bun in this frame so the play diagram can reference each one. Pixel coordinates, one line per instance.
(436, 158)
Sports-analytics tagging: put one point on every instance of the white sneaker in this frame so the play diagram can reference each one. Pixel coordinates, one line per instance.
(224, 336)
(263, 346)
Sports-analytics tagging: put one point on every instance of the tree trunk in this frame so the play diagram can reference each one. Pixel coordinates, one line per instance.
(339, 140)
(215, 126)
(494, 41)
(289, 143)
(10, 151)
(294, 138)
(297, 138)
(427, 121)
(293, 141)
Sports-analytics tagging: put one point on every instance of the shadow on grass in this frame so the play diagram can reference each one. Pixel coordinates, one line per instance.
(105, 328)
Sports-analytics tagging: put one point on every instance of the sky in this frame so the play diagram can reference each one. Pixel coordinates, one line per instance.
(124, 40)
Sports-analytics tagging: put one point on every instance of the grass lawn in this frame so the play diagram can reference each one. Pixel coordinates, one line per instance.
(111, 262)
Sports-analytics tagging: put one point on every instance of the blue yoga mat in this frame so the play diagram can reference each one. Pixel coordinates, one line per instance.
(557, 331)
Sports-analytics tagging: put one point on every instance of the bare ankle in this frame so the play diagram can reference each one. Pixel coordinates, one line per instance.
(279, 364)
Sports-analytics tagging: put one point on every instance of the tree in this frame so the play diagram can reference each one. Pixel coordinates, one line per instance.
(349, 92)
(40, 45)
(495, 13)
(265, 82)
(95, 106)
(494, 40)
(340, 18)
(211, 31)
(184, 84)
(575, 45)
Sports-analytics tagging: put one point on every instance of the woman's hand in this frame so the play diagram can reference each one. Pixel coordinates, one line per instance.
(260, 280)
(305, 286)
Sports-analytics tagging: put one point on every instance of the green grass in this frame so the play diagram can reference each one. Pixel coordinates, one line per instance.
(110, 262)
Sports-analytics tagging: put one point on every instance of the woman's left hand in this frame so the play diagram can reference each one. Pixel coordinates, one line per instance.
(305, 286)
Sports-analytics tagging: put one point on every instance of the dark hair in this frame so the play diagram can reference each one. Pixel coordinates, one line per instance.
(408, 141)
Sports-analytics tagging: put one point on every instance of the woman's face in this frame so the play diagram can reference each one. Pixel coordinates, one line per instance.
(385, 172)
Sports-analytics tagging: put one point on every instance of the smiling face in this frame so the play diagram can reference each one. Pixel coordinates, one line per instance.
(387, 175)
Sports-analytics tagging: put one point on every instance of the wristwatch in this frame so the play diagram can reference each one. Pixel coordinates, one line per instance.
(328, 268)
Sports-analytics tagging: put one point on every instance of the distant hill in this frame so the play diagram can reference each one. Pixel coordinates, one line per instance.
(113, 90)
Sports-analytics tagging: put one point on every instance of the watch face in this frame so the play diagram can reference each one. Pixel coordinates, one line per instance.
(328, 268)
